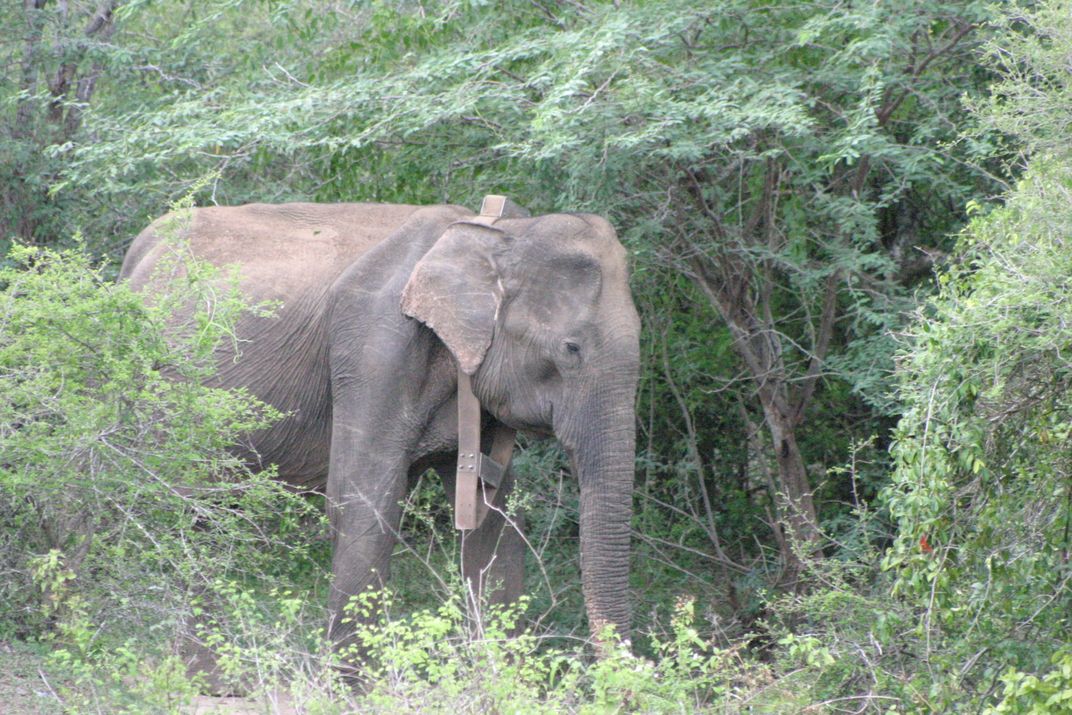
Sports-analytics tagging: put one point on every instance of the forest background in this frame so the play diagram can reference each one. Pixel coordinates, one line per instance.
(849, 227)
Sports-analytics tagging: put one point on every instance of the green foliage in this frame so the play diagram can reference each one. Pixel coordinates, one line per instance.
(1033, 91)
(428, 659)
(845, 642)
(119, 677)
(445, 659)
(448, 660)
(982, 487)
(1031, 695)
(267, 643)
(118, 494)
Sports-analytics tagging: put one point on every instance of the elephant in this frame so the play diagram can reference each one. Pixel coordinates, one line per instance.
(383, 309)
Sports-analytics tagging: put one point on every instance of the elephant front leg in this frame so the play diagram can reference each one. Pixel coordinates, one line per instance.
(364, 509)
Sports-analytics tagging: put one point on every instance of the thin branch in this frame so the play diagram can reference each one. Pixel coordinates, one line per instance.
(889, 103)
(820, 348)
(694, 452)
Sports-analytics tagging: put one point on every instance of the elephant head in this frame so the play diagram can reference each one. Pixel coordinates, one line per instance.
(538, 311)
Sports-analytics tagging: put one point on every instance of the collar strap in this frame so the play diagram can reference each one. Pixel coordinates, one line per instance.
(480, 475)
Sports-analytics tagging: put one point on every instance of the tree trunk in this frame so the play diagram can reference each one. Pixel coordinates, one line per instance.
(54, 119)
(741, 289)
(795, 501)
(35, 23)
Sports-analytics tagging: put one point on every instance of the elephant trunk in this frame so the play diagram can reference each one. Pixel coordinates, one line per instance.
(603, 461)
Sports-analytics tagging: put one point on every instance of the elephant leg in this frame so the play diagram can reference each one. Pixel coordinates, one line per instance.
(364, 493)
(365, 535)
(493, 555)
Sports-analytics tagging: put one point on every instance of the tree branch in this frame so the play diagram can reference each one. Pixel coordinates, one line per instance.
(28, 83)
(820, 347)
(890, 103)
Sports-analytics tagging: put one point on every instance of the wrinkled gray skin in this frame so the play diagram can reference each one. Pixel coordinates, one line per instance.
(380, 305)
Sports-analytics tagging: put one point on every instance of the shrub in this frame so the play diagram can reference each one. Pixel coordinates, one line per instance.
(983, 477)
(448, 660)
(118, 498)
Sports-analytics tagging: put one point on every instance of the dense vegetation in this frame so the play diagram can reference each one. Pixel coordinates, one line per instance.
(849, 228)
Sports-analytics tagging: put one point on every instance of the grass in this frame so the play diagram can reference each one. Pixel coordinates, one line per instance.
(26, 685)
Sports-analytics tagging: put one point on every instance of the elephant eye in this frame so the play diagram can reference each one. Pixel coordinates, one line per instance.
(573, 348)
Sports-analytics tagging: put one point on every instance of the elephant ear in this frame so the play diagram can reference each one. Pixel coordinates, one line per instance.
(455, 290)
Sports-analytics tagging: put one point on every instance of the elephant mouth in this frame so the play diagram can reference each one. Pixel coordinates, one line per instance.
(534, 425)
(531, 429)
(540, 433)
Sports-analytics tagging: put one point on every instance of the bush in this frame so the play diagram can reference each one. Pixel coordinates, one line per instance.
(983, 477)
(448, 660)
(119, 501)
